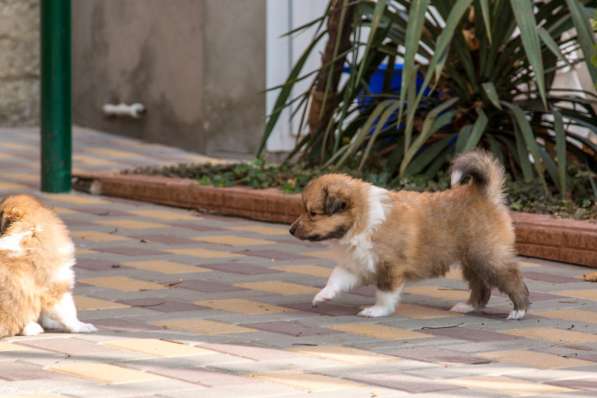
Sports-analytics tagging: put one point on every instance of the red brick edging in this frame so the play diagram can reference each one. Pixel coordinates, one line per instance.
(537, 235)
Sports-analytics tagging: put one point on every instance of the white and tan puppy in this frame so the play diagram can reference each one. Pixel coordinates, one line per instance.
(36, 275)
(389, 238)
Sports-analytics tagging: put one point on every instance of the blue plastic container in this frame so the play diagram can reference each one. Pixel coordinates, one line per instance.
(376, 81)
(376, 88)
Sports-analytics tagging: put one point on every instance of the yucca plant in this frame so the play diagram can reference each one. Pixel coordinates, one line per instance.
(475, 73)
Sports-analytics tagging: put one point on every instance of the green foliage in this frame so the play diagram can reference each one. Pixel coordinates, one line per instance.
(489, 66)
(256, 174)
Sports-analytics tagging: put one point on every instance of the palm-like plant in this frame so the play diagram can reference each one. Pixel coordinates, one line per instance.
(475, 73)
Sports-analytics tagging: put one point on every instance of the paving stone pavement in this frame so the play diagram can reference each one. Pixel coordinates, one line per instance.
(195, 305)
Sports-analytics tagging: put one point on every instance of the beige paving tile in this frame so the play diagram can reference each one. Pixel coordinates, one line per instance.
(587, 294)
(166, 215)
(12, 347)
(242, 306)
(81, 251)
(98, 236)
(261, 229)
(11, 186)
(507, 386)
(42, 395)
(102, 372)
(327, 254)
(308, 382)
(63, 211)
(376, 331)
(311, 270)
(554, 335)
(85, 303)
(438, 292)
(202, 326)
(534, 359)
(527, 264)
(93, 161)
(345, 354)
(233, 240)
(16, 145)
(420, 312)
(570, 315)
(204, 253)
(25, 177)
(163, 266)
(78, 199)
(157, 348)
(130, 224)
(113, 153)
(122, 283)
(279, 287)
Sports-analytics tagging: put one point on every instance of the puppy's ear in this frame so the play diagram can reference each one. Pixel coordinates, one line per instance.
(9, 217)
(334, 203)
(4, 222)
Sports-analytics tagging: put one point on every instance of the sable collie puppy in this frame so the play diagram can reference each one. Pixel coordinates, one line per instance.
(36, 276)
(389, 238)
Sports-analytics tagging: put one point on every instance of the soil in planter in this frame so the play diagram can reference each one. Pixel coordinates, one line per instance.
(521, 196)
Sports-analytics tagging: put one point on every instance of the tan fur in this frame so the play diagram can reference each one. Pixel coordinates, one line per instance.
(27, 279)
(424, 233)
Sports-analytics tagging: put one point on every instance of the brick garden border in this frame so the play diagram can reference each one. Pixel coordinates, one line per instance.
(537, 235)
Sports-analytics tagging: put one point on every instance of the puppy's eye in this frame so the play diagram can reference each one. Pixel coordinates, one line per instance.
(312, 214)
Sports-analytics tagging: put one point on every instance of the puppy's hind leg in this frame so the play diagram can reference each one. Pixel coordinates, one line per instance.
(340, 280)
(63, 316)
(509, 281)
(480, 292)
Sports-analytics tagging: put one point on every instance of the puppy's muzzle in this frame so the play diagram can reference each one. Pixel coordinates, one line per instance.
(297, 230)
(292, 229)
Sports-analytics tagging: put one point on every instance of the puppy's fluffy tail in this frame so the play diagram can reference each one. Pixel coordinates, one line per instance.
(484, 170)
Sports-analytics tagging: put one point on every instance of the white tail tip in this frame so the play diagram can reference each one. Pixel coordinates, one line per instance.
(455, 177)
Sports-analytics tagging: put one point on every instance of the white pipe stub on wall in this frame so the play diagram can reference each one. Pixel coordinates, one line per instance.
(135, 110)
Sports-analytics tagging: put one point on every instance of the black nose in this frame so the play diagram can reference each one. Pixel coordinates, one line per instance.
(292, 229)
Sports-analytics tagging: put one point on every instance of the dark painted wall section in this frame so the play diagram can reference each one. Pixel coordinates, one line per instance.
(197, 65)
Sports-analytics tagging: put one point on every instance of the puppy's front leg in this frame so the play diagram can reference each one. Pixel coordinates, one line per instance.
(63, 316)
(32, 329)
(385, 303)
(340, 280)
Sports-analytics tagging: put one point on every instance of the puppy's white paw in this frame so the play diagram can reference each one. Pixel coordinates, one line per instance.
(324, 294)
(517, 314)
(462, 308)
(32, 329)
(376, 311)
(82, 327)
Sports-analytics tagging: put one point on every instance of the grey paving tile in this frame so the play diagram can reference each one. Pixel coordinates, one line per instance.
(291, 328)
(240, 268)
(162, 305)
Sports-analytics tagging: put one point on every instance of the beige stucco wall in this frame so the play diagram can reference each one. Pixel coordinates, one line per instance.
(19, 62)
(197, 65)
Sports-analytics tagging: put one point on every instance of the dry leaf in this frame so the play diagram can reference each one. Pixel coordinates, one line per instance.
(592, 277)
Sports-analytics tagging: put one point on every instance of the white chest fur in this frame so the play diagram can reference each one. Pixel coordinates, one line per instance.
(358, 249)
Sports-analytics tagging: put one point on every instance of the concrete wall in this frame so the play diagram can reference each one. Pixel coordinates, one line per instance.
(197, 65)
(19, 62)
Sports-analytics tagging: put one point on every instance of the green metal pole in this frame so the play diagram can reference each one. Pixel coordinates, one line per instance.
(56, 95)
